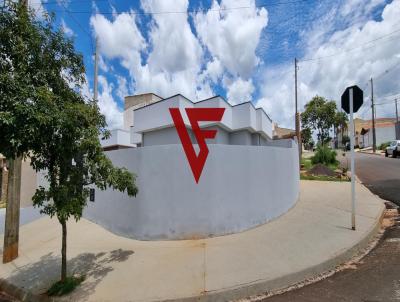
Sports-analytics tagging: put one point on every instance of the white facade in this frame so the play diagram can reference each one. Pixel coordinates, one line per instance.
(247, 180)
(240, 187)
(153, 120)
(383, 135)
(118, 138)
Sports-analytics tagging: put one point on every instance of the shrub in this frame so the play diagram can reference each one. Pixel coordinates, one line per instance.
(62, 288)
(324, 155)
(383, 146)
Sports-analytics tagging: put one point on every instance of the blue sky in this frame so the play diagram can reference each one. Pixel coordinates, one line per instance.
(241, 49)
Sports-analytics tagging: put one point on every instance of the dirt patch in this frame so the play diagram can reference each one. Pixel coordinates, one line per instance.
(320, 169)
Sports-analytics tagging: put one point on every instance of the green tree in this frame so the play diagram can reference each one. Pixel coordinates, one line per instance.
(42, 111)
(306, 137)
(340, 124)
(319, 115)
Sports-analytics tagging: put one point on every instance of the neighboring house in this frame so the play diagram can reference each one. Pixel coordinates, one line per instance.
(147, 122)
(385, 130)
(122, 138)
(281, 133)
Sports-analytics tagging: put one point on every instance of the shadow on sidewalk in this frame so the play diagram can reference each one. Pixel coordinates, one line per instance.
(39, 276)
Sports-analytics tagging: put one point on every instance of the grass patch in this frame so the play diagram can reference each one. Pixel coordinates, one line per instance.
(306, 163)
(321, 177)
(62, 288)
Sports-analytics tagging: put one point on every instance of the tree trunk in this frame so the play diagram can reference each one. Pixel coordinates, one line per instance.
(64, 251)
(11, 228)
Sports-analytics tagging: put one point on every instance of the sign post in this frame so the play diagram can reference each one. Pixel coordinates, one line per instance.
(353, 187)
(352, 99)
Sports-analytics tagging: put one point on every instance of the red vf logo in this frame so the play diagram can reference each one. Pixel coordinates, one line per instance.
(196, 115)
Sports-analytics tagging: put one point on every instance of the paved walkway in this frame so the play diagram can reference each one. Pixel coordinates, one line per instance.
(26, 215)
(312, 237)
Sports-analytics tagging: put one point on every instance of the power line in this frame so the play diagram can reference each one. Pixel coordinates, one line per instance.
(387, 71)
(78, 23)
(351, 49)
(180, 12)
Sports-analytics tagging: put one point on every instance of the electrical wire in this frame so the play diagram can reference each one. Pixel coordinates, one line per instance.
(180, 12)
(351, 49)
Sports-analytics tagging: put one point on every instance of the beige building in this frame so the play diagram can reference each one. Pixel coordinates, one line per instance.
(385, 130)
(281, 133)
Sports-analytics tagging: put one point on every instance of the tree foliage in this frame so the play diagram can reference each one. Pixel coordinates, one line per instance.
(319, 115)
(43, 113)
(306, 137)
(32, 58)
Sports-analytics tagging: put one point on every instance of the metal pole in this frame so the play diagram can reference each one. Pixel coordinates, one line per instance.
(297, 115)
(373, 118)
(353, 192)
(397, 113)
(96, 59)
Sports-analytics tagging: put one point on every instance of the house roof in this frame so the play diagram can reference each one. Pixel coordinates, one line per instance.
(207, 99)
(245, 115)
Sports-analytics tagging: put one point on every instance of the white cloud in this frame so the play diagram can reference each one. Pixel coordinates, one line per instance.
(173, 59)
(122, 90)
(68, 31)
(38, 9)
(107, 105)
(330, 76)
(232, 35)
(238, 90)
(103, 65)
(175, 47)
(119, 38)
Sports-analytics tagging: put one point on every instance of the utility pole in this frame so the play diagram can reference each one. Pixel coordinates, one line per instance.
(11, 222)
(96, 59)
(297, 114)
(397, 113)
(373, 118)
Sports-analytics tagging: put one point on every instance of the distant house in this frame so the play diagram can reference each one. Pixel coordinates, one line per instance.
(281, 133)
(122, 138)
(385, 130)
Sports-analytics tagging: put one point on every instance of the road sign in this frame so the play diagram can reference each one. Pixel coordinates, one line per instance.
(357, 98)
(352, 99)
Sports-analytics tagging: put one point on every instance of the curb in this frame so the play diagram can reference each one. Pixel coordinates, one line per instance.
(379, 154)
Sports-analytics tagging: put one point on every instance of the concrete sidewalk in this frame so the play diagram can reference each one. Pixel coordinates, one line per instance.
(311, 238)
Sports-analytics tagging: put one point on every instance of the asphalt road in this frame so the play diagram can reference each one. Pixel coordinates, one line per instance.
(377, 277)
(380, 174)
(374, 279)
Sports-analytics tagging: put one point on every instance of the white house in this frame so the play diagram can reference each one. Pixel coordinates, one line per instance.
(147, 122)
(247, 178)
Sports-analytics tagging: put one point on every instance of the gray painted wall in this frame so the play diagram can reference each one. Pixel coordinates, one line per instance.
(163, 136)
(240, 187)
(168, 136)
(242, 137)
